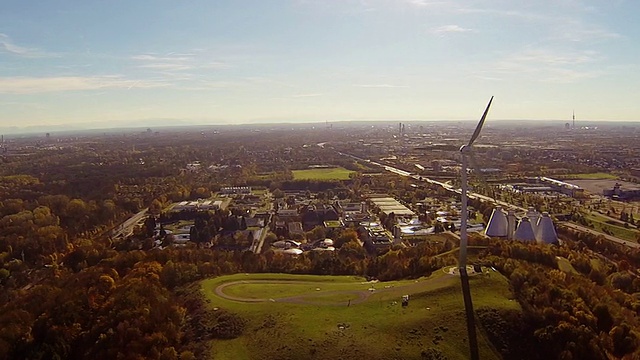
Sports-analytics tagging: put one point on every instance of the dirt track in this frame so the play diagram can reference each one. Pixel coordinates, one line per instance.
(362, 295)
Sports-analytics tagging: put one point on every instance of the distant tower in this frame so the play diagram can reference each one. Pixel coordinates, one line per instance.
(574, 120)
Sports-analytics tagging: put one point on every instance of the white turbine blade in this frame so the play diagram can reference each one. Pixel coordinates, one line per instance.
(480, 124)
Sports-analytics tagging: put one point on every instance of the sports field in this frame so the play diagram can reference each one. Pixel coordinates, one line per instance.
(337, 173)
(321, 317)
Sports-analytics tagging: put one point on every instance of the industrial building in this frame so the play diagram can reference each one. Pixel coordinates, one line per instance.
(563, 187)
(388, 205)
(533, 226)
(620, 193)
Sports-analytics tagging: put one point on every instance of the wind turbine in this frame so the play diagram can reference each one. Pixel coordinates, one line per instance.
(466, 152)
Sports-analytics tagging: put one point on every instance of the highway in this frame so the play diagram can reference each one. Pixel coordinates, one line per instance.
(449, 187)
(258, 242)
(505, 205)
(126, 228)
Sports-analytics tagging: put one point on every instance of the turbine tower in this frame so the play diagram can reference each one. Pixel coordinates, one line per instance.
(466, 152)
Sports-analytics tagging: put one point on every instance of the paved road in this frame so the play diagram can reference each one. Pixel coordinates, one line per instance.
(126, 228)
(258, 242)
(449, 187)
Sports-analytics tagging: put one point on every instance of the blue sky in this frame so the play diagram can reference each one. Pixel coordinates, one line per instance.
(113, 63)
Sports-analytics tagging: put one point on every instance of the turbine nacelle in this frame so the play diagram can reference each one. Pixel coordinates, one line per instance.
(465, 149)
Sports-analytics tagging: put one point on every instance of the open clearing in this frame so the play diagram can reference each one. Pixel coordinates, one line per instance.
(601, 224)
(591, 176)
(337, 173)
(598, 185)
(320, 317)
(565, 265)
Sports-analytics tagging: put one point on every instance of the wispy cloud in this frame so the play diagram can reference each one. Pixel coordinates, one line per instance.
(545, 65)
(563, 20)
(576, 31)
(425, 3)
(306, 95)
(34, 85)
(450, 29)
(380, 86)
(208, 85)
(507, 13)
(547, 57)
(176, 62)
(166, 66)
(9, 46)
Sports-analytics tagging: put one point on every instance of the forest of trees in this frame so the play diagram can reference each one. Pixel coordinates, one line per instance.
(128, 304)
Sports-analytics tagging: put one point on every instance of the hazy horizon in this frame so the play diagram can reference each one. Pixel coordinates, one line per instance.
(170, 124)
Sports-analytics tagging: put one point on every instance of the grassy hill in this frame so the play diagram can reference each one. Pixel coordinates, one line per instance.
(339, 317)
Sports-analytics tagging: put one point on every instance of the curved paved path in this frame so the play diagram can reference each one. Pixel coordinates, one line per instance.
(362, 295)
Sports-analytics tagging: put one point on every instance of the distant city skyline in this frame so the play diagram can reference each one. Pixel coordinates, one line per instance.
(115, 64)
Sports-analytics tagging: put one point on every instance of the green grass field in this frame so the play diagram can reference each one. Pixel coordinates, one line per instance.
(338, 173)
(321, 325)
(598, 264)
(175, 227)
(268, 290)
(565, 265)
(619, 231)
(590, 176)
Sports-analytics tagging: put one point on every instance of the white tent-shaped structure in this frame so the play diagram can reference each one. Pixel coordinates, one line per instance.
(545, 231)
(498, 225)
(533, 216)
(525, 231)
(532, 227)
